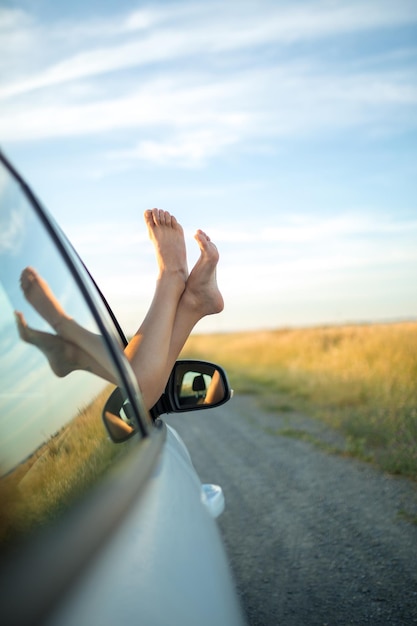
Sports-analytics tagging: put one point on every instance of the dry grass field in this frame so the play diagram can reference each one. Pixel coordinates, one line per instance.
(359, 379)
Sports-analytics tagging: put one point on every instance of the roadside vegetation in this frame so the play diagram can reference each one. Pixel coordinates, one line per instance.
(359, 379)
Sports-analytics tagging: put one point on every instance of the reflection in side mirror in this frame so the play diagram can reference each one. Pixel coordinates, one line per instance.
(118, 417)
(193, 385)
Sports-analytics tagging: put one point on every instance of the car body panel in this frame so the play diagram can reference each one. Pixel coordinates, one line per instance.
(166, 558)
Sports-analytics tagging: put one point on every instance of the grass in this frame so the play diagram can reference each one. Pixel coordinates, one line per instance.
(58, 473)
(359, 379)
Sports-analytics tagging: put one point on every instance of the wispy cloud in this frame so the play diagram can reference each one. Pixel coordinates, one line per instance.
(303, 229)
(192, 121)
(219, 98)
(172, 32)
(11, 217)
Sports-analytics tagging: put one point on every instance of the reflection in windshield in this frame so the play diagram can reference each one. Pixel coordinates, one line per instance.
(53, 445)
(34, 403)
(71, 347)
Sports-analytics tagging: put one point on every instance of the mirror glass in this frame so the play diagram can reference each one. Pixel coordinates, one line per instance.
(197, 384)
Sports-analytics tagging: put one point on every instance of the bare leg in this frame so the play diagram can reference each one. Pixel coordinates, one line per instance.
(38, 293)
(148, 351)
(172, 316)
(117, 427)
(63, 356)
(201, 296)
(216, 391)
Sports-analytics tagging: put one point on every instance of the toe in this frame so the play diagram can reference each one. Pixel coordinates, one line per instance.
(152, 217)
(201, 239)
(167, 218)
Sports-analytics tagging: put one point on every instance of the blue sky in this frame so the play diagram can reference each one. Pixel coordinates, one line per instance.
(286, 130)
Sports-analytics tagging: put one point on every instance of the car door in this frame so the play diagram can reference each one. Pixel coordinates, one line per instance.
(90, 531)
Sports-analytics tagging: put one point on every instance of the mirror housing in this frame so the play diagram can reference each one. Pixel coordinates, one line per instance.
(192, 386)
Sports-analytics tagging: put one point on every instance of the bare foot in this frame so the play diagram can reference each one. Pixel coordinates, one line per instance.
(201, 289)
(167, 237)
(59, 352)
(38, 293)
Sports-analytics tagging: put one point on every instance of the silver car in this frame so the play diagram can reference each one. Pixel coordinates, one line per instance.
(103, 517)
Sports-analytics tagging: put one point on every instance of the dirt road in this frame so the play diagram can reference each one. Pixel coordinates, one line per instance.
(313, 538)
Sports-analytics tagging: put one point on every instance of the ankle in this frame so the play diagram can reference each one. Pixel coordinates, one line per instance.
(175, 277)
(62, 324)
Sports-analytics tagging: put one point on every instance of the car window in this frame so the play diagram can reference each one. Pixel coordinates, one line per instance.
(57, 369)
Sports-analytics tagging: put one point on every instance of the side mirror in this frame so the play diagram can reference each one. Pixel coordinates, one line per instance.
(118, 417)
(192, 386)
